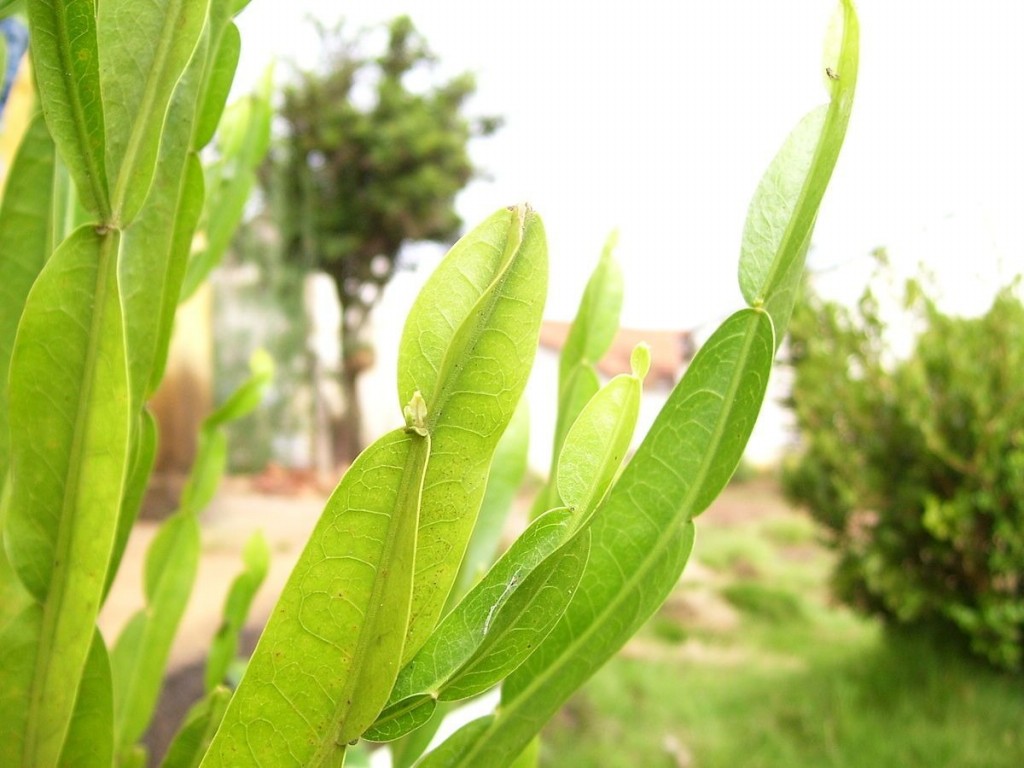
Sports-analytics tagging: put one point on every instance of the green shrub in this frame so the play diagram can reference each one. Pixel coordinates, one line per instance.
(917, 465)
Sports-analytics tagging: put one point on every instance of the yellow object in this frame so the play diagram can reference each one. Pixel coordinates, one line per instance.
(20, 104)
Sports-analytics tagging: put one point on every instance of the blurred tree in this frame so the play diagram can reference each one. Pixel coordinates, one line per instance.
(373, 155)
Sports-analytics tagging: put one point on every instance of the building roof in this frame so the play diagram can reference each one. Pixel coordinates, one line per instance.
(670, 351)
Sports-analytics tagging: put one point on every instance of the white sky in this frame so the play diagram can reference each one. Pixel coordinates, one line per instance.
(659, 117)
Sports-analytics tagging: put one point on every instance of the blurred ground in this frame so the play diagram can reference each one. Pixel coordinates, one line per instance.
(285, 506)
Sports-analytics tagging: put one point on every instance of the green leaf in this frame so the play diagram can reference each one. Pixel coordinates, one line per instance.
(256, 556)
(591, 334)
(512, 630)
(244, 135)
(220, 73)
(473, 623)
(90, 742)
(597, 318)
(144, 47)
(154, 251)
(139, 658)
(68, 212)
(770, 254)
(14, 598)
(581, 386)
(66, 63)
(143, 458)
(249, 394)
(450, 753)
(26, 215)
(68, 384)
(358, 756)
(212, 451)
(447, 299)
(468, 346)
(90, 735)
(785, 205)
(642, 533)
(177, 230)
(8, 7)
(207, 470)
(156, 246)
(329, 656)
(193, 738)
(19, 651)
(69, 435)
(596, 445)
(402, 718)
(407, 750)
(507, 471)
(529, 757)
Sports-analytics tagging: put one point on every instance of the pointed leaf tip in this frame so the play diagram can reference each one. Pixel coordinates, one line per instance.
(640, 360)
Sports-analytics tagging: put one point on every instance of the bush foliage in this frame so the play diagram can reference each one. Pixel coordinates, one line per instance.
(916, 465)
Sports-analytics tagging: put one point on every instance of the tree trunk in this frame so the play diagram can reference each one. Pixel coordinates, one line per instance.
(348, 433)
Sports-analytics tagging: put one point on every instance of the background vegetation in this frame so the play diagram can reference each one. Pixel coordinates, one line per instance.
(915, 465)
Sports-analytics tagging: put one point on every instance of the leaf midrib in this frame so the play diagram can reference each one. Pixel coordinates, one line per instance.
(826, 154)
(410, 491)
(484, 306)
(140, 128)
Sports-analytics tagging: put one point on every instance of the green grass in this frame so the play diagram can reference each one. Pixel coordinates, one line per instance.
(796, 681)
(791, 530)
(766, 603)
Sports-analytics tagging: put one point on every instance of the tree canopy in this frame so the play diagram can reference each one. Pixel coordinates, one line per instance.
(369, 162)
